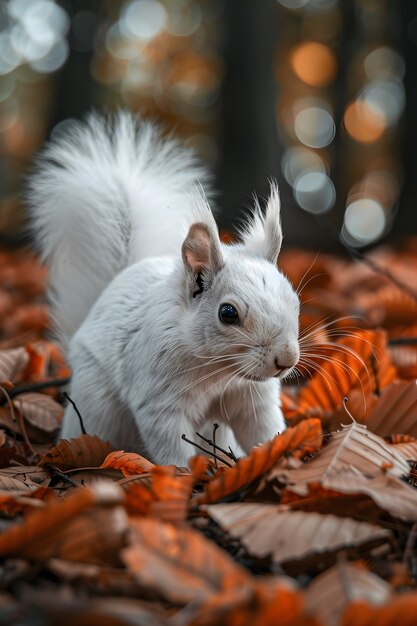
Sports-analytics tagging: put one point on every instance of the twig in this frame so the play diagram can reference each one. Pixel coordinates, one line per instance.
(207, 452)
(45, 384)
(212, 443)
(378, 269)
(215, 427)
(57, 474)
(71, 401)
(20, 422)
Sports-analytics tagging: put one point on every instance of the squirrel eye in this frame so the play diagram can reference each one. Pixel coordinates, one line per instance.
(228, 314)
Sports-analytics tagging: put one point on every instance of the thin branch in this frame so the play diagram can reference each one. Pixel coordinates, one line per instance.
(378, 269)
(71, 401)
(206, 452)
(212, 443)
(45, 384)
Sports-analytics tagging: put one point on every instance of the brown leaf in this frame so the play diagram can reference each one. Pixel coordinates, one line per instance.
(23, 478)
(129, 463)
(265, 529)
(12, 362)
(331, 592)
(389, 492)
(352, 447)
(394, 411)
(82, 451)
(21, 538)
(179, 563)
(299, 440)
(40, 410)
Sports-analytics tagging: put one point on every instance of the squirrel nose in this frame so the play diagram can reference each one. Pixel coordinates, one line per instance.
(280, 367)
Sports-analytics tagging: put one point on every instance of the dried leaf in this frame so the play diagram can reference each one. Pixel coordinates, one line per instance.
(179, 563)
(401, 611)
(82, 451)
(40, 410)
(389, 492)
(299, 440)
(331, 592)
(20, 538)
(12, 362)
(167, 496)
(94, 536)
(269, 603)
(352, 447)
(265, 529)
(394, 411)
(129, 463)
(23, 477)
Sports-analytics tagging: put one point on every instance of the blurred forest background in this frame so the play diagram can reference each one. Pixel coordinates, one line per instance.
(320, 94)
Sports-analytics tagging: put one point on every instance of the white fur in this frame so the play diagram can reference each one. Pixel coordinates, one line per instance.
(112, 205)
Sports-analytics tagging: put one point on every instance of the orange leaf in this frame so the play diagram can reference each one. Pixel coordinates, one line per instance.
(402, 610)
(303, 438)
(129, 463)
(180, 564)
(37, 367)
(167, 496)
(358, 363)
(39, 524)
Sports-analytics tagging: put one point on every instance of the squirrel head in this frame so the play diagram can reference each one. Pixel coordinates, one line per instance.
(240, 309)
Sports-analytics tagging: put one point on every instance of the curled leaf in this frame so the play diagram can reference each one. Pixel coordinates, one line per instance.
(129, 463)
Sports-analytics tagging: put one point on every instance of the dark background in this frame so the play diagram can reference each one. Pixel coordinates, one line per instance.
(236, 64)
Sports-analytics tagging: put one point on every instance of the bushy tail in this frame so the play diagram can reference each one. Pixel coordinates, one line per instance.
(105, 194)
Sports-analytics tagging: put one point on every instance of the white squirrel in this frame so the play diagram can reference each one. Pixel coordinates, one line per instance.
(168, 329)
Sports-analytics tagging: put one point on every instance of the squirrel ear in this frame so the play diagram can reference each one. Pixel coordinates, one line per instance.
(263, 235)
(201, 249)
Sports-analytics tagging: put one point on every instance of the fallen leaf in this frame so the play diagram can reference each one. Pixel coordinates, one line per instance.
(93, 536)
(40, 410)
(331, 592)
(352, 447)
(82, 451)
(179, 563)
(299, 440)
(400, 611)
(12, 362)
(287, 536)
(21, 538)
(129, 463)
(167, 495)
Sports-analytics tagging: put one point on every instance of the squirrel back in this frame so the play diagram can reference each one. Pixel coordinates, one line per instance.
(106, 194)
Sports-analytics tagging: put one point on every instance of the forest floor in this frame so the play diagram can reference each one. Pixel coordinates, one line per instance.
(315, 527)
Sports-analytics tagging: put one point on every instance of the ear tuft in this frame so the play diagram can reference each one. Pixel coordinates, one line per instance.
(263, 235)
(201, 249)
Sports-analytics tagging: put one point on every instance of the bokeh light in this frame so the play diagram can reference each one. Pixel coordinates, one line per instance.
(314, 125)
(314, 63)
(364, 221)
(315, 192)
(363, 122)
(297, 161)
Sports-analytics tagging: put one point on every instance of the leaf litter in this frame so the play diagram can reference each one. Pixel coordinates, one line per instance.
(316, 527)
